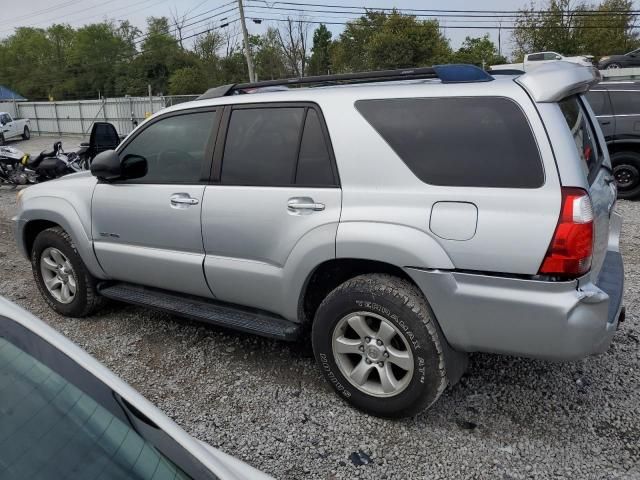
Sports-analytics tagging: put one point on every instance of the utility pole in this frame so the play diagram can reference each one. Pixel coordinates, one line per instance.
(247, 52)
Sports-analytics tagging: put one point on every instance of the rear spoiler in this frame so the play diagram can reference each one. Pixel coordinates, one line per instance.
(557, 80)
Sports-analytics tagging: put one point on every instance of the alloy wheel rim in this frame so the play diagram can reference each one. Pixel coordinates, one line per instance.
(58, 275)
(613, 67)
(372, 354)
(626, 176)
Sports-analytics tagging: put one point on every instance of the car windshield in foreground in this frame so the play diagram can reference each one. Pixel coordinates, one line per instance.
(57, 421)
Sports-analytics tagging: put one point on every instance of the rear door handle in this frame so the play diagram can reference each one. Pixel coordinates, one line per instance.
(608, 122)
(182, 200)
(296, 204)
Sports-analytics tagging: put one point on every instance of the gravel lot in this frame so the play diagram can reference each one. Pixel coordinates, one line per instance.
(266, 402)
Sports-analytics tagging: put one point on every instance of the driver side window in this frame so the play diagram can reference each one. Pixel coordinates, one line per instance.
(176, 148)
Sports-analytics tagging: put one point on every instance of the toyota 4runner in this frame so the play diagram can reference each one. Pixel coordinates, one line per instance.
(401, 219)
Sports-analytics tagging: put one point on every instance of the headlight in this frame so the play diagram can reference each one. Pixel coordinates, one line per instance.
(604, 58)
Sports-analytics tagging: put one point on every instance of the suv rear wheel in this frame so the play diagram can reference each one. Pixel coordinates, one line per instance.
(61, 276)
(379, 347)
(626, 170)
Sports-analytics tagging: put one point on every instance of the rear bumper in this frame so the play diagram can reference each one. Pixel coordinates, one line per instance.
(548, 320)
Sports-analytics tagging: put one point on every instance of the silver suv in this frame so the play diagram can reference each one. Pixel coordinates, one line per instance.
(401, 220)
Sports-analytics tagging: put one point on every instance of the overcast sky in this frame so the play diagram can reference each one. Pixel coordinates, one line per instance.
(42, 13)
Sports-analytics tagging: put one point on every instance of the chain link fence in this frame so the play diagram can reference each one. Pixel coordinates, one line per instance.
(77, 117)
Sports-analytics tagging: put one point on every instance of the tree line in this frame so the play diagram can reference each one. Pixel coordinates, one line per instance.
(115, 58)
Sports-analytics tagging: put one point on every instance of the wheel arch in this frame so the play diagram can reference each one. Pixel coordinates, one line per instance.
(47, 212)
(329, 274)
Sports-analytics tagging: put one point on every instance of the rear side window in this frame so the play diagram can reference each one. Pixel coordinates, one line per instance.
(535, 57)
(278, 146)
(583, 135)
(625, 103)
(599, 101)
(459, 141)
(314, 164)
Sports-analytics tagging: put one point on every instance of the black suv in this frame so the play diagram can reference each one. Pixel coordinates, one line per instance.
(617, 106)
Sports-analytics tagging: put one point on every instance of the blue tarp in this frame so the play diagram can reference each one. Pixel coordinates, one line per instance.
(7, 95)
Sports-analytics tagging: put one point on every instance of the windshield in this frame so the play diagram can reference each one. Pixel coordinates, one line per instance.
(58, 421)
(637, 50)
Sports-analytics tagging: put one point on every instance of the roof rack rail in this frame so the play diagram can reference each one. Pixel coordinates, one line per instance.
(446, 73)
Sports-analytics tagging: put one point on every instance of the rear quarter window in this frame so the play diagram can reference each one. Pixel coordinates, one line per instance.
(583, 135)
(459, 141)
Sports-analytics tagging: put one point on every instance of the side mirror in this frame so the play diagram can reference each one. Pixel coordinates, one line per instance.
(558, 57)
(133, 166)
(106, 166)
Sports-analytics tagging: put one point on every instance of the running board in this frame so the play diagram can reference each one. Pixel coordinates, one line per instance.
(216, 313)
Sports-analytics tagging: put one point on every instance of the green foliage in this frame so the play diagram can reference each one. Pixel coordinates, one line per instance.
(378, 41)
(572, 28)
(320, 61)
(186, 81)
(480, 51)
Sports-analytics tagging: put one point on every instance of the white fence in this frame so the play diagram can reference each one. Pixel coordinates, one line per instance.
(77, 117)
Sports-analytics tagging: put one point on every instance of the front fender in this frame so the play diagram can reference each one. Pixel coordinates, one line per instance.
(59, 211)
(390, 243)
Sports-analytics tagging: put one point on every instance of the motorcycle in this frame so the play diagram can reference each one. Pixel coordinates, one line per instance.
(18, 168)
(12, 167)
(55, 164)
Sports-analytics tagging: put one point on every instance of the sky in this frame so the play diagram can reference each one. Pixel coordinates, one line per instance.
(42, 13)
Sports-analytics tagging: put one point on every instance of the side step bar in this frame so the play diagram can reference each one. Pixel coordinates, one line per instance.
(224, 315)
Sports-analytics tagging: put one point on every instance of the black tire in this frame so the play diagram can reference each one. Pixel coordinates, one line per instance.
(86, 299)
(26, 134)
(613, 66)
(403, 305)
(626, 170)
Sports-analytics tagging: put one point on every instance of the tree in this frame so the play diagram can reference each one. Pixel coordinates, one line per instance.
(187, 80)
(320, 61)
(378, 41)
(574, 27)
(268, 55)
(480, 51)
(293, 42)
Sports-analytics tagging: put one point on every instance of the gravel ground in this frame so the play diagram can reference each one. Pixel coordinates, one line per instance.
(266, 402)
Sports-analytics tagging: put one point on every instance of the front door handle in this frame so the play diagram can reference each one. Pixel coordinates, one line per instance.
(297, 204)
(182, 200)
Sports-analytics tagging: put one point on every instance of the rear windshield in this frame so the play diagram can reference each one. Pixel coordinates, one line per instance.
(459, 141)
(583, 135)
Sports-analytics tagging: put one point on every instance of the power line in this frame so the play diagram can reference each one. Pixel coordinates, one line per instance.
(486, 27)
(389, 9)
(37, 13)
(364, 10)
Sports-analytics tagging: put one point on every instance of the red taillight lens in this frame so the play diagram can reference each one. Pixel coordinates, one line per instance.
(570, 251)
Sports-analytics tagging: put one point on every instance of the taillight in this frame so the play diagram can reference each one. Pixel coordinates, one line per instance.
(570, 251)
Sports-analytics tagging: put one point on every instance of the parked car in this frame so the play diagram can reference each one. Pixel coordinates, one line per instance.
(402, 223)
(631, 59)
(13, 127)
(617, 108)
(532, 61)
(65, 415)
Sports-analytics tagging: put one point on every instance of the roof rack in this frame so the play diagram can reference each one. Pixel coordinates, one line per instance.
(446, 73)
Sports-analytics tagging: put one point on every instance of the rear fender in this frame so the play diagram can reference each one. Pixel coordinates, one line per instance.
(390, 243)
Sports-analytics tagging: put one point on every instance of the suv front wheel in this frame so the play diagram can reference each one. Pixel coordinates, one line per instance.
(61, 276)
(379, 347)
